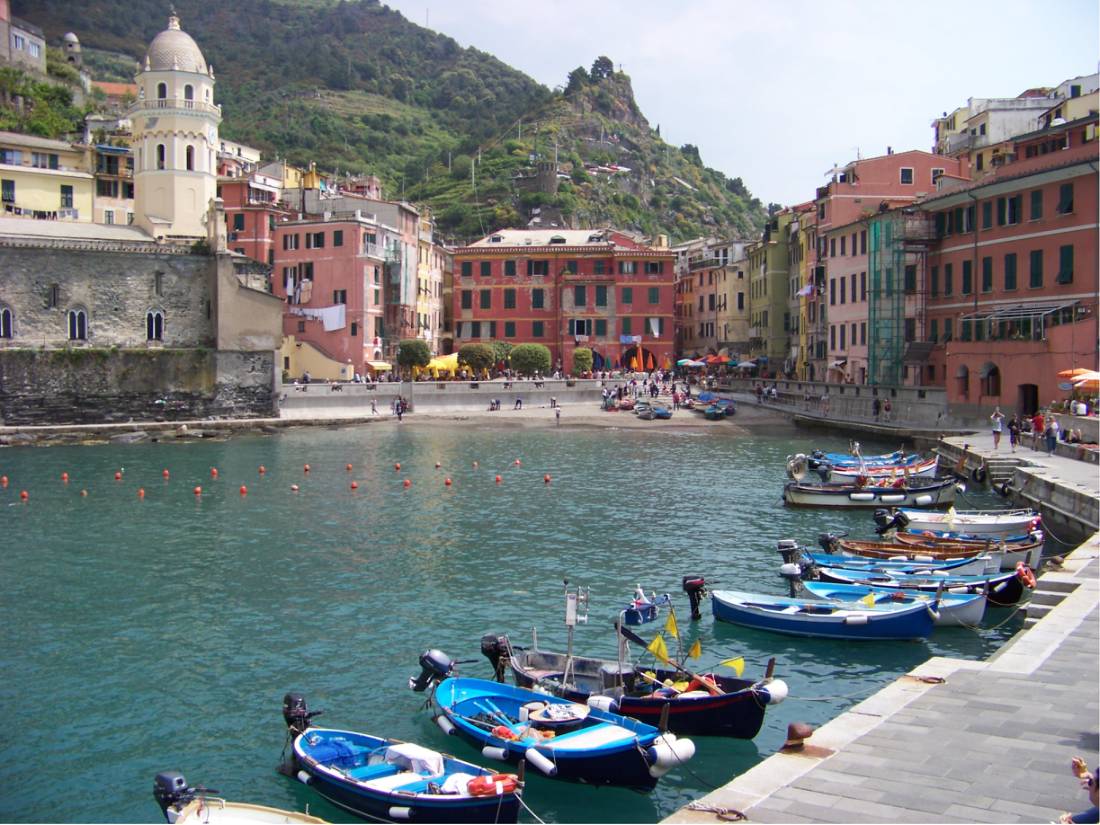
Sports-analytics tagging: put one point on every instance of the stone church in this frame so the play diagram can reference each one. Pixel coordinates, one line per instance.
(154, 320)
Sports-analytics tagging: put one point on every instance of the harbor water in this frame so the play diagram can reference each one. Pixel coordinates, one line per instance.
(145, 634)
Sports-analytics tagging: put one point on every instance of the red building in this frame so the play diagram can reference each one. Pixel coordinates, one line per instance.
(252, 210)
(567, 289)
(1012, 275)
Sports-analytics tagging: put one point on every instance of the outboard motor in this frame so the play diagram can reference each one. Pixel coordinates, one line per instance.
(172, 793)
(888, 520)
(435, 666)
(827, 541)
(824, 471)
(696, 589)
(791, 569)
(297, 715)
(495, 649)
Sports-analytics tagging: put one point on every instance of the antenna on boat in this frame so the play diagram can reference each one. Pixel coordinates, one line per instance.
(576, 611)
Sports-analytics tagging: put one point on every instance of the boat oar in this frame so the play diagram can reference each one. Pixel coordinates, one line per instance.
(638, 640)
(655, 681)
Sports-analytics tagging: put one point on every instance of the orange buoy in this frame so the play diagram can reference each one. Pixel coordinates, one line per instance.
(347, 467)
(23, 494)
(355, 485)
(306, 468)
(165, 472)
(65, 477)
(118, 476)
(396, 467)
(3, 481)
(518, 462)
(263, 469)
(213, 472)
(499, 479)
(293, 488)
(447, 481)
(244, 490)
(141, 492)
(438, 465)
(546, 478)
(197, 491)
(406, 483)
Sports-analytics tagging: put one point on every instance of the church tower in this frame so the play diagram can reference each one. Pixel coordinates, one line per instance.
(175, 138)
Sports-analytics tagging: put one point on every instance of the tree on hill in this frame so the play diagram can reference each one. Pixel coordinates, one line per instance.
(578, 79)
(602, 69)
(478, 357)
(530, 358)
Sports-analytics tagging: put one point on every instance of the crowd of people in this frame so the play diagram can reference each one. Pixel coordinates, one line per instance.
(1044, 430)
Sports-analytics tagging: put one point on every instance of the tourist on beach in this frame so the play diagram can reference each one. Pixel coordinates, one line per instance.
(373, 407)
(557, 416)
(1013, 432)
(399, 408)
(1052, 434)
(998, 419)
(1090, 783)
(518, 405)
(1037, 429)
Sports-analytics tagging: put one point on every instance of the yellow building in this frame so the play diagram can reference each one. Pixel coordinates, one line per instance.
(430, 264)
(42, 178)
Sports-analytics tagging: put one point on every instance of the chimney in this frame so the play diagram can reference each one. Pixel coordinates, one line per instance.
(889, 150)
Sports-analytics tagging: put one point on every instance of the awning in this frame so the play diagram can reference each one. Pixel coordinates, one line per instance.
(379, 365)
(839, 364)
(444, 362)
(1017, 312)
(747, 365)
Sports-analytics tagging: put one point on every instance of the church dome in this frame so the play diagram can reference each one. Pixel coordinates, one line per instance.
(174, 50)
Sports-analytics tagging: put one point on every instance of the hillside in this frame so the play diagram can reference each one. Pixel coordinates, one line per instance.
(355, 87)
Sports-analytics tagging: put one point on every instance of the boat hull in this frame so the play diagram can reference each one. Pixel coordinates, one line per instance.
(939, 494)
(1014, 523)
(1009, 553)
(971, 566)
(956, 609)
(921, 554)
(915, 622)
(1004, 590)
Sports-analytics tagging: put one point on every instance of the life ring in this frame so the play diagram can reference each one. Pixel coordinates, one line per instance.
(496, 785)
(979, 475)
(505, 733)
(1025, 574)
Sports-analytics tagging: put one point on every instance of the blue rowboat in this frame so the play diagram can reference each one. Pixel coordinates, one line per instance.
(898, 457)
(1002, 590)
(642, 609)
(812, 617)
(560, 738)
(973, 565)
(955, 608)
(391, 780)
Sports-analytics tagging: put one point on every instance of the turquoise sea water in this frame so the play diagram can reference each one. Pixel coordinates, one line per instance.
(161, 633)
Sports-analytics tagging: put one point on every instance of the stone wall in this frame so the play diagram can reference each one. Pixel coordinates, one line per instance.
(99, 385)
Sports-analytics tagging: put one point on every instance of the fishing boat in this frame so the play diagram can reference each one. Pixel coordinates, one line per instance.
(966, 609)
(562, 739)
(707, 704)
(1001, 589)
(799, 467)
(661, 412)
(391, 780)
(854, 457)
(1010, 551)
(182, 804)
(969, 566)
(926, 494)
(813, 617)
(916, 553)
(974, 522)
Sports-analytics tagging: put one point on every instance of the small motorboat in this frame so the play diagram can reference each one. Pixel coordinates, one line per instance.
(390, 780)
(1009, 551)
(974, 522)
(561, 739)
(813, 617)
(642, 609)
(853, 457)
(916, 553)
(644, 410)
(799, 467)
(1002, 589)
(968, 565)
(662, 413)
(936, 493)
(181, 803)
(965, 609)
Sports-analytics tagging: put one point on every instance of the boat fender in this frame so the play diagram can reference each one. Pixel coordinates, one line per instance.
(861, 496)
(897, 558)
(923, 559)
(304, 777)
(891, 498)
(492, 752)
(401, 813)
(496, 784)
(537, 759)
(776, 691)
(935, 614)
(667, 752)
(856, 620)
(604, 703)
(979, 475)
(445, 724)
(923, 500)
(1026, 575)
(526, 710)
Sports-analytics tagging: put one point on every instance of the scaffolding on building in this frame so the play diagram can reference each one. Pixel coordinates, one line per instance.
(897, 267)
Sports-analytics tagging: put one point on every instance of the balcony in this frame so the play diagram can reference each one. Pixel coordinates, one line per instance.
(178, 103)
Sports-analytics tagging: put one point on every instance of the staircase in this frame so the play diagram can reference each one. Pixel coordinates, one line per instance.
(1001, 469)
(1049, 592)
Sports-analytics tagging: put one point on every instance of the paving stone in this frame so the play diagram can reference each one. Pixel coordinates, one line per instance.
(813, 783)
(971, 814)
(1029, 812)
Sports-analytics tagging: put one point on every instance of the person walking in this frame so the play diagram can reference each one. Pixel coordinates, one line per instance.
(1052, 434)
(998, 419)
(1013, 432)
(1037, 429)
(887, 410)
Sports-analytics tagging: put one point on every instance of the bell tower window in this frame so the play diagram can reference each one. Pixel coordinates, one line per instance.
(189, 95)
(162, 91)
(160, 156)
(190, 158)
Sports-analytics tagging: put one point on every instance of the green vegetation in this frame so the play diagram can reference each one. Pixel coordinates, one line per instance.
(36, 107)
(582, 360)
(528, 359)
(355, 87)
(477, 357)
(413, 352)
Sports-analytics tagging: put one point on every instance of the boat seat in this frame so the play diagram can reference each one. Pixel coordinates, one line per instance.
(375, 771)
(404, 781)
(539, 673)
(590, 737)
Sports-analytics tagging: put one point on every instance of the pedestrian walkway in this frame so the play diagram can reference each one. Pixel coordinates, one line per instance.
(1067, 468)
(991, 743)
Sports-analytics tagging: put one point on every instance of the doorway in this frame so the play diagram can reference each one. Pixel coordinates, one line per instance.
(1027, 399)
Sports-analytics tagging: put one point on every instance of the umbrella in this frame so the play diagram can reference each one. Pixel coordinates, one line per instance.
(747, 365)
(1087, 382)
(684, 362)
(1074, 373)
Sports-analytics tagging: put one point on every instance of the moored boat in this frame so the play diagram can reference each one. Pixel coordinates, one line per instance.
(185, 805)
(931, 494)
(966, 609)
(1028, 550)
(974, 522)
(969, 566)
(918, 553)
(1002, 589)
(390, 780)
(799, 467)
(812, 617)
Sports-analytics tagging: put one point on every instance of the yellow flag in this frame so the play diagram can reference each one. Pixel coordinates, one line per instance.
(737, 664)
(869, 599)
(696, 650)
(657, 648)
(670, 626)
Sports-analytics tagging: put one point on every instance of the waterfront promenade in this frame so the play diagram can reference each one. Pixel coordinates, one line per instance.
(992, 742)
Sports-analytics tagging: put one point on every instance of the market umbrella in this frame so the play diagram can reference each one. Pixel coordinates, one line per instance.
(1074, 373)
(684, 362)
(1088, 382)
(747, 365)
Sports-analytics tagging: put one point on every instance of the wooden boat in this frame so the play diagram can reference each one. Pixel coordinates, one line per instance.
(1029, 550)
(562, 739)
(391, 780)
(915, 553)
(968, 566)
(799, 467)
(813, 617)
(975, 522)
(197, 806)
(933, 494)
(898, 457)
(965, 609)
(1002, 589)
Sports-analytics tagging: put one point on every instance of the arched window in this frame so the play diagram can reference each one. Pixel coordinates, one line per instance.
(162, 91)
(188, 92)
(154, 325)
(160, 155)
(962, 376)
(190, 158)
(7, 323)
(78, 325)
(991, 379)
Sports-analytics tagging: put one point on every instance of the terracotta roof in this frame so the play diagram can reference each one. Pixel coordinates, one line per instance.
(118, 89)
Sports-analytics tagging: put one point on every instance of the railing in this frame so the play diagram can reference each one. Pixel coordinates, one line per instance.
(174, 103)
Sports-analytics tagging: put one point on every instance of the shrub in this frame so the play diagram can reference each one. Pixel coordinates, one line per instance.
(529, 358)
(582, 360)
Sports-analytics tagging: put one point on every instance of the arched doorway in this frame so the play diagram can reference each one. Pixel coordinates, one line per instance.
(639, 358)
(1027, 398)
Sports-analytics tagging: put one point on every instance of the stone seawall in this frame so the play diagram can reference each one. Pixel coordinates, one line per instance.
(94, 385)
